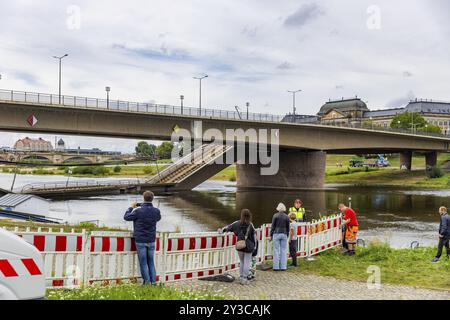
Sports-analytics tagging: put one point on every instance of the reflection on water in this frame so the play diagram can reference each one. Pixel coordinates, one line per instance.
(397, 216)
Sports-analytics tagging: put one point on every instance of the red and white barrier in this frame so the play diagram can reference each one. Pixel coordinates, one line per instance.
(10, 268)
(71, 259)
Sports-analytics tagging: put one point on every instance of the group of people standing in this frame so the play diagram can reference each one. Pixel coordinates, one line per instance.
(283, 234)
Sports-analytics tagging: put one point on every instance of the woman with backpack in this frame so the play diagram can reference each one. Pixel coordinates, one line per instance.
(245, 244)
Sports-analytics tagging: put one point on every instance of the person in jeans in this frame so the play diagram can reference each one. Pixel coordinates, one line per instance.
(279, 233)
(144, 219)
(244, 230)
(444, 234)
(293, 238)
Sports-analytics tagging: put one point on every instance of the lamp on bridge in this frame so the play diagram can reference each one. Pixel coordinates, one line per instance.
(60, 59)
(181, 100)
(247, 105)
(107, 89)
(293, 101)
(200, 92)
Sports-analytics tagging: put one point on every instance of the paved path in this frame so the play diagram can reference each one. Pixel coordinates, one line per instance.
(293, 285)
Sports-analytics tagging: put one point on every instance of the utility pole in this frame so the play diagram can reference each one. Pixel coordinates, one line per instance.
(293, 99)
(200, 92)
(181, 100)
(107, 89)
(59, 91)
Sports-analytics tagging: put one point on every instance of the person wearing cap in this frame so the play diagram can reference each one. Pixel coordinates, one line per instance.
(298, 210)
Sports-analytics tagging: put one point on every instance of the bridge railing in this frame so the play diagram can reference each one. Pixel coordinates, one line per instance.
(147, 107)
(140, 107)
(78, 184)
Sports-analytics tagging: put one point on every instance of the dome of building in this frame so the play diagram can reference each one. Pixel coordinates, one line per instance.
(343, 106)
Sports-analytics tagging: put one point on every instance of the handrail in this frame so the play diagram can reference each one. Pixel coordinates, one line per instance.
(141, 107)
(145, 107)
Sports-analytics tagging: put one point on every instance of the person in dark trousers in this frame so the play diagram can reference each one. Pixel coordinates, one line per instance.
(245, 231)
(144, 219)
(444, 234)
(279, 232)
(293, 239)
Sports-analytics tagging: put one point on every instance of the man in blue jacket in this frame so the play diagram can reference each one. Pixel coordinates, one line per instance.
(144, 219)
(444, 234)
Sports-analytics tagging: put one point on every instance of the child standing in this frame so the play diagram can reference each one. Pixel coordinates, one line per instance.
(293, 238)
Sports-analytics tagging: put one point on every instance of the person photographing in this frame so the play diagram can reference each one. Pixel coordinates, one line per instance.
(144, 217)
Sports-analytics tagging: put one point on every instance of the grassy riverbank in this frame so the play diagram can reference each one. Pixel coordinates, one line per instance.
(132, 292)
(397, 266)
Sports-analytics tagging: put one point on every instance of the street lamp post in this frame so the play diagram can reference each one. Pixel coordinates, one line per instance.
(181, 100)
(293, 99)
(200, 92)
(107, 89)
(247, 105)
(59, 91)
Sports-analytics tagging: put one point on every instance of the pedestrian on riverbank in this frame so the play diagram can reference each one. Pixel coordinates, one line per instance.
(293, 239)
(279, 233)
(444, 234)
(351, 228)
(246, 242)
(144, 217)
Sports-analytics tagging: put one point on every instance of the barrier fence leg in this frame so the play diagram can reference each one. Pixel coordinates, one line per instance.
(86, 252)
(163, 243)
(309, 256)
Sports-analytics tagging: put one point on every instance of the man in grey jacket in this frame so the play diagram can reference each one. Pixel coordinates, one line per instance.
(444, 234)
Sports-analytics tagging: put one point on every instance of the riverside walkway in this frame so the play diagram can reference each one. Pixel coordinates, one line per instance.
(297, 286)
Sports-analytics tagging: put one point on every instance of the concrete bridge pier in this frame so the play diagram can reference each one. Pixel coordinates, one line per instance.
(430, 159)
(406, 159)
(297, 170)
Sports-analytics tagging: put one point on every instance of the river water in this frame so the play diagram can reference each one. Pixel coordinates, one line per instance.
(397, 216)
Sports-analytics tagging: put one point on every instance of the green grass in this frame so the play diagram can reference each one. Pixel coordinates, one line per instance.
(227, 174)
(88, 226)
(397, 266)
(132, 292)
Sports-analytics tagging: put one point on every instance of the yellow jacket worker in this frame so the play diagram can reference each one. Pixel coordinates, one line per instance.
(298, 210)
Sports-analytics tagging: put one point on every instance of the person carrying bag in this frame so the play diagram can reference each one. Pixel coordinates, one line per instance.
(245, 244)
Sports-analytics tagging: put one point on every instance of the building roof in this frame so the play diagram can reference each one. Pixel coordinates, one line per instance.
(383, 112)
(428, 106)
(12, 199)
(343, 106)
(61, 142)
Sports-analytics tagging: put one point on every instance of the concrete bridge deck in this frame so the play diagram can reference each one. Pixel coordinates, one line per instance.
(302, 147)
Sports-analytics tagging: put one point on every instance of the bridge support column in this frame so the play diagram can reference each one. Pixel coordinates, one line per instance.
(405, 160)
(297, 170)
(430, 159)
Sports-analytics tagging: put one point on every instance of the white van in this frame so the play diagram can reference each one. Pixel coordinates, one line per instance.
(21, 269)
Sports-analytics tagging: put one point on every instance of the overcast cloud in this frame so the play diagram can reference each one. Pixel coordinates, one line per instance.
(252, 51)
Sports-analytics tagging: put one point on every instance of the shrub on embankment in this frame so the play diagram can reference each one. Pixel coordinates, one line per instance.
(131, 292)
(398, 266)
(89, 170)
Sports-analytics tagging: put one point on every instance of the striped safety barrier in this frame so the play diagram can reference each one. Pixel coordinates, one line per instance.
(72, 259)
(10, 268)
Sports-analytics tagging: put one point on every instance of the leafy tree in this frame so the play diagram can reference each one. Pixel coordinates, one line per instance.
(406, 119)
(164, 150)
(143, 149)
(430, 128)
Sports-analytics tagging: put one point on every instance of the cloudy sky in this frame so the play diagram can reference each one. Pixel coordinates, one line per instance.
(386, 52)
